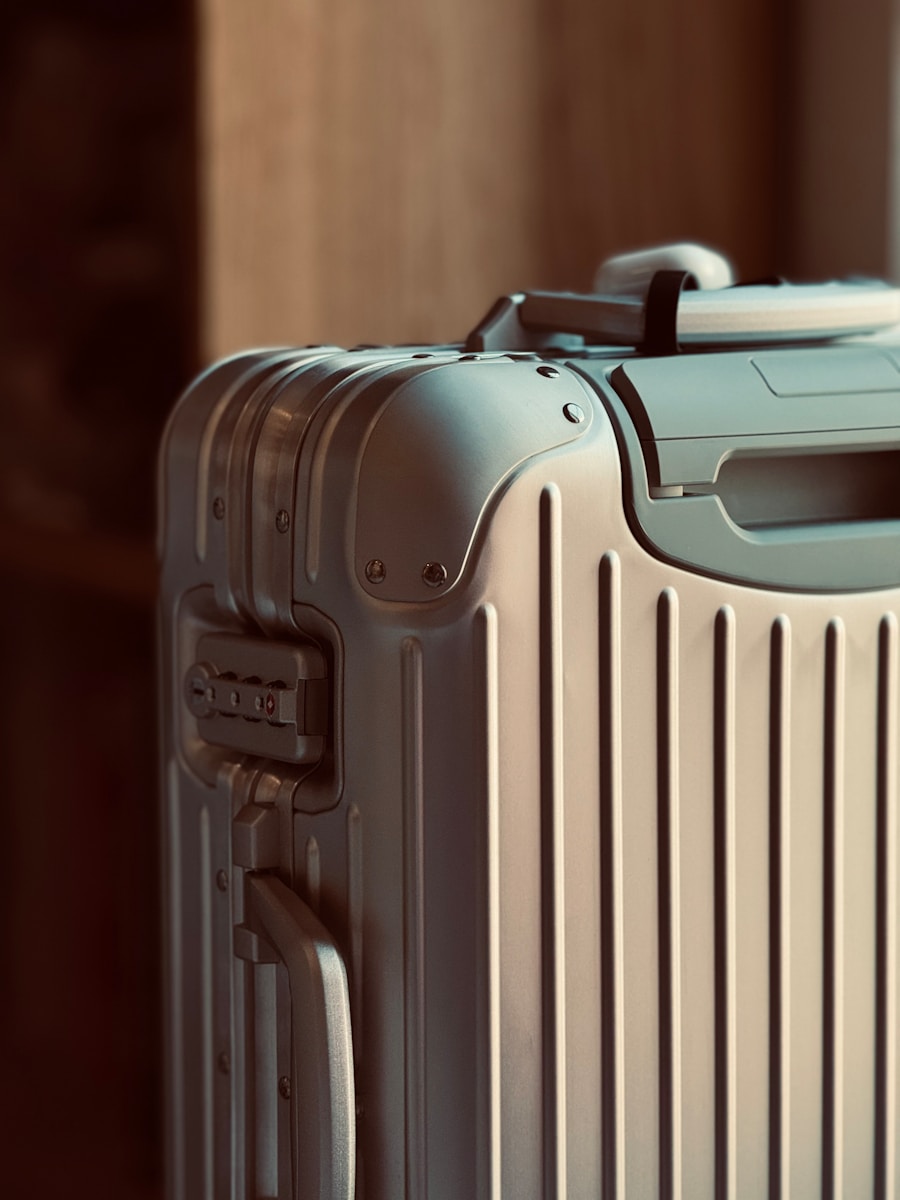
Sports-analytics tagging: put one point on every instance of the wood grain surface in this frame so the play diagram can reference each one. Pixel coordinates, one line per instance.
(380, 171)
(842, 146)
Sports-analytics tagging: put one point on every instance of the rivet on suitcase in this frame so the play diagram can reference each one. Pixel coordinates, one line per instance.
(530, 723)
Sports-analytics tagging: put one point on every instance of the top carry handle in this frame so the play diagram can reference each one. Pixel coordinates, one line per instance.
(671, 309)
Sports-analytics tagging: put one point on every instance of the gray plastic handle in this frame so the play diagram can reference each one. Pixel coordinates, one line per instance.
(323, 1150)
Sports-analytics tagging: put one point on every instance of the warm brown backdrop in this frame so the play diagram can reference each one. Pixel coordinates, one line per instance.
(179, 182)
(382, 171)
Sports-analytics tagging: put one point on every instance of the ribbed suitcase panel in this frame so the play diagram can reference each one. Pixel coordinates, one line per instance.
(725, 898)
(886, 1038)
(833, 862)
(779, 1058)
(524, 989)
(746, 850)
(669, 901)
(553, 831)
(490, 1098)
(630, 841)
(199, 1023)
(855, 851)
(748, 891)
(414, 917)
(611, 867)
(650, 962)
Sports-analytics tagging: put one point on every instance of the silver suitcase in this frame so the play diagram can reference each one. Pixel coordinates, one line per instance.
(530, 731)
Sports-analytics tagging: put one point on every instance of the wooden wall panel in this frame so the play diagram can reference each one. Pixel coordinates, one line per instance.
(367, 169)
(842, 160)
(382, 170)
(663, 124)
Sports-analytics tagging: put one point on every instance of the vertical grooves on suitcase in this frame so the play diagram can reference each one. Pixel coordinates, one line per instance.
(779, 909)
(553, 845)
(238, 480)
(414, 915)
(239, 528)
(355, 923)
(489, 1096)
(669, 896)
(177, 1074)
(886, 908)
(207, 1009)
(355, 932)
(833, 907)
(725, 933)
(612, 975)
(212, 429)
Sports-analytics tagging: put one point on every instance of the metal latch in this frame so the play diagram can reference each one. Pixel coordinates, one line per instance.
(260, 697)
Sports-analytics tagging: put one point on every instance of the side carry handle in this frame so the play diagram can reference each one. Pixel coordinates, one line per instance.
(323, 1102)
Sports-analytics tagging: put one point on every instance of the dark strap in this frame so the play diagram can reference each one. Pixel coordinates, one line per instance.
(661, 311)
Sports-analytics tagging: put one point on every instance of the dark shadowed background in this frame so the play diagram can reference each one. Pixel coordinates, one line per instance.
(179, 180)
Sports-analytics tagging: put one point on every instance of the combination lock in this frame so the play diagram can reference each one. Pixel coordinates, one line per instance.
(259, 697)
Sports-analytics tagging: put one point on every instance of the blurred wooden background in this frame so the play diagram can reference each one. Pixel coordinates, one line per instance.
(180, 181)
(382, 171)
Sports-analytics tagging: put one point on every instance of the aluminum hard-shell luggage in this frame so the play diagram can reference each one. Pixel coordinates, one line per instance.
(530, 726)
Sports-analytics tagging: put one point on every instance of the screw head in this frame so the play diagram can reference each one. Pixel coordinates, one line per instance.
(218, 508)
(574, 413)
(282, 520)
(270, 704)
(469, 358)
(434, 574)
(376, 571)
(423, 354)
(222, 881)
(196, 693)
(197, 690)
(548, 372)
(223, 1062)
(235, 699)
(284, 1087)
